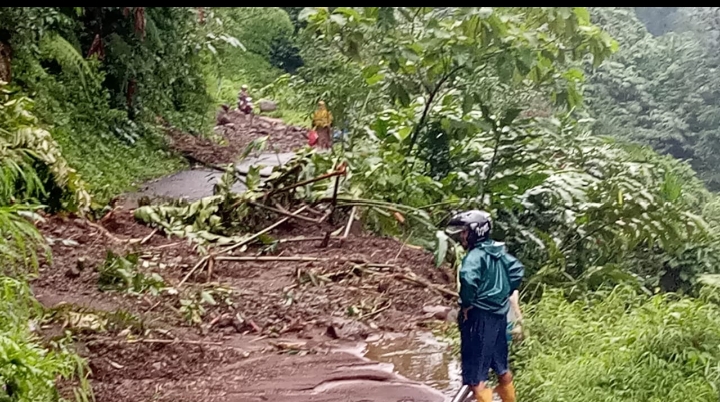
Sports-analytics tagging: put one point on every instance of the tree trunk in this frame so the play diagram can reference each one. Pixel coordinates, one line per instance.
(5, 60)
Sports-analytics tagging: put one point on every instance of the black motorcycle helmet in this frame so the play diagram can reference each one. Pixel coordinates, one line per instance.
(478, 223)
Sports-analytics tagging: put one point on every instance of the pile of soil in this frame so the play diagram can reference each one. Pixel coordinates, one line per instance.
(276, 334)
(279, 301)
(238, 131)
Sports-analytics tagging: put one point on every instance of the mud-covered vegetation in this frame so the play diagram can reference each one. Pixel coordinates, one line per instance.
(588, 134)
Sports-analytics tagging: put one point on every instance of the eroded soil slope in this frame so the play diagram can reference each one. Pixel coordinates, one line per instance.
(264, 326)
(273, 331)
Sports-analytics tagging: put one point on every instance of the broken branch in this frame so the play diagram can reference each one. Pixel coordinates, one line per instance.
(260, 233)
(376, 312)
(423, 282)
(308, 181)
(200, 263)
(149, 340)
(349, 224)
(266, 258)
(289, 215)
(148, 237)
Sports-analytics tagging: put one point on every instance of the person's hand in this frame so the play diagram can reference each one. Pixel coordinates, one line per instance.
(518, 332)
(465, 312)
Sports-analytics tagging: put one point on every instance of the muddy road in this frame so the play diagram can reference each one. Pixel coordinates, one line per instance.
(316, 327)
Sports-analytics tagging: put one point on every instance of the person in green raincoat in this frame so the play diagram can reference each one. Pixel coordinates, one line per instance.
(489, 275)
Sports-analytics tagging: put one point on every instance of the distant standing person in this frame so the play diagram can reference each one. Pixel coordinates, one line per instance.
(322, 123)
(242, 95)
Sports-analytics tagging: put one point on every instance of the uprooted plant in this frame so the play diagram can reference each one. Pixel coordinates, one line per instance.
(120, 273)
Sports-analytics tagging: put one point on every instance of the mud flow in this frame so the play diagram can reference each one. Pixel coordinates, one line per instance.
(313, 321)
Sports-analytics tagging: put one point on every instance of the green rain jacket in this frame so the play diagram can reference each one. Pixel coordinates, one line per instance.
(488, 276)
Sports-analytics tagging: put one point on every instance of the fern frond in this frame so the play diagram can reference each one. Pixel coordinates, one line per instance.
(152, 32)
(22, 142)
(19, 238)
(55, 47)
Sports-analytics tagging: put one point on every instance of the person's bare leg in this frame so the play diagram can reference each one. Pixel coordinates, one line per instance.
(482, 393)
(506, 388)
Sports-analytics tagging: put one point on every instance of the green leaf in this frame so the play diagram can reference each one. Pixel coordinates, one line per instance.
(441, 247)
(510, 116)
(582, 14)
(307, 13)
(207, 298)
(400, 94)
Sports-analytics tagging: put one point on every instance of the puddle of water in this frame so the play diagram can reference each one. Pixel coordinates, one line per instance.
(191, 185)
(194, 184)
(419, 357)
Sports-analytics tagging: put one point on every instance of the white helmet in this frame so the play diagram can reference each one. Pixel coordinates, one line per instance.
(243, 87)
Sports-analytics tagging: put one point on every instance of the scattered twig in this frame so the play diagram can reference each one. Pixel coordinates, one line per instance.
(260, 233)
(200, 263)
(350, 222)
(255, 326)
(104, 231)
(300, 239)
(148, 237)
(288, 214)
(216, 320)
(376, 311)
(160, 247)
(402, 246)
(413, 278)
(210, 264)
(269, 258)
(259, 338)
(149, 340)
(153, 306)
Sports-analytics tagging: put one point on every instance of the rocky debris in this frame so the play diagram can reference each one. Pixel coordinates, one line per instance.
(222, 116)
(235, 353)
(236, 132)
(438, 312)
(342, 328)
(267, 105)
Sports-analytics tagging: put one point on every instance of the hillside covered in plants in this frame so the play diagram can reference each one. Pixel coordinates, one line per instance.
(587, 133)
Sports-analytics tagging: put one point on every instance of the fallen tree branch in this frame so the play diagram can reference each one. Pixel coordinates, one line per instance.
(350, 222)
(260, 233)
(288, 214)
(413, 278)
(308, 181)
(267, 259)
(200, 263)
(150, 340)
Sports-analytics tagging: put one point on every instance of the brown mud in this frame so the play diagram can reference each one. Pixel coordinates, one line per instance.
(277, 334)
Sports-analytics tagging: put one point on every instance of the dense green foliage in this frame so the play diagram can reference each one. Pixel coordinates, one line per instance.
(89, 90)
(620, 347)
(578, 209)
(661, 90)
(32, 171)
(265, 49)
(28, 371)
(498, 103)
(140, 65)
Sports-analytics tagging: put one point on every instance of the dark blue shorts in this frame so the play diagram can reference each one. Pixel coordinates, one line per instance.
(483, 345)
